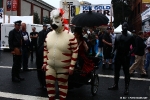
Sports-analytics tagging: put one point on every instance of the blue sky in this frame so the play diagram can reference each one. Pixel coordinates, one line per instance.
(56, 4)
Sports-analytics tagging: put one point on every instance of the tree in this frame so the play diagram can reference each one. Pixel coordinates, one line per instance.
(36, 18)
(121, 10)
(46, 20)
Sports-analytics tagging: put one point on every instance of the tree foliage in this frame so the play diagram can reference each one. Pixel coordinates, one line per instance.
(46, 20)
(121, 10)
(36, 18)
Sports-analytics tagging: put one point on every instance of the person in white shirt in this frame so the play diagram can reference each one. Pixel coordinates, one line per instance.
(113, 36)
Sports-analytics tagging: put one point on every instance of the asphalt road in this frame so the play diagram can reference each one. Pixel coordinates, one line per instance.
(28, 89)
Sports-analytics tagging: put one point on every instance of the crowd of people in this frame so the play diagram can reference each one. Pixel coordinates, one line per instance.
(131, 51)
(22, 45)
(101, 44)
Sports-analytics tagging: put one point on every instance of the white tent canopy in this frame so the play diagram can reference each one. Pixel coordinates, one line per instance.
(119, 29)
(24, 19)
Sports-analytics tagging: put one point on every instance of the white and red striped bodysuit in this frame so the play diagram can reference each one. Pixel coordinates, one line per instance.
(60, 54)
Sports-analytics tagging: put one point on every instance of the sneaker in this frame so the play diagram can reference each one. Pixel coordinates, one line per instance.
(144, 75)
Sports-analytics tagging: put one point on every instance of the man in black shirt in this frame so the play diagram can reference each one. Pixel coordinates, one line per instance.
(107, 47)
(33, 36)
(39, 56)
(139, 54)
(15, 44)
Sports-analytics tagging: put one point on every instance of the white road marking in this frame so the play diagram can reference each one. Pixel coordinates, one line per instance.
(21, 96)
(100, 75)
(11, 67)
(122, 77)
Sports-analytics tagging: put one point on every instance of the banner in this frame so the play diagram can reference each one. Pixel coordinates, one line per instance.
(8, 5)
(15, 4)
(12, 5)
(145, 14)
(104, 9)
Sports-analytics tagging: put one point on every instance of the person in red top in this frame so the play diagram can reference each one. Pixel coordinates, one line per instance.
(83, 61)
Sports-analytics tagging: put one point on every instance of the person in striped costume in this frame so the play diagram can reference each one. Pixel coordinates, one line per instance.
(60, 54)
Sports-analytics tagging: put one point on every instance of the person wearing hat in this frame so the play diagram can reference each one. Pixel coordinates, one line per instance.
(107, 47)
(122, 58)
(15, 44)
(39, 56)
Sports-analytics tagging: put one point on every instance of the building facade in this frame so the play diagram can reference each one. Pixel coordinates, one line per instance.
(28, 7)
(135, 20)
(66, 5)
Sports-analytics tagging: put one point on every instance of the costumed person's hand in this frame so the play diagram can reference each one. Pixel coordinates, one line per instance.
(13, 52)
(70, 72)
(44, 67)
(110, 44)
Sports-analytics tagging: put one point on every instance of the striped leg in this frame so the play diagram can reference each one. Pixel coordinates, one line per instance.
(63, 85)
(50, 82)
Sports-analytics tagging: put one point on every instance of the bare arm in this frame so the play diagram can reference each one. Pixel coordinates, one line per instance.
(85, 46)
(107, 42)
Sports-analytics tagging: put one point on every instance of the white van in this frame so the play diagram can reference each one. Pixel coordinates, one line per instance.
(6, 28)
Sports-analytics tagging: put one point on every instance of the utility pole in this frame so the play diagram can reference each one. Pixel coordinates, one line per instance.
(11, 7)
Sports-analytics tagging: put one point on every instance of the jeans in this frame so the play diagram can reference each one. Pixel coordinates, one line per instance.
(147, 62)
(132, 60)
(25, 55)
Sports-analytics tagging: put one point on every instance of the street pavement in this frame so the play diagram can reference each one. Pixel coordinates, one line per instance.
(29, 89)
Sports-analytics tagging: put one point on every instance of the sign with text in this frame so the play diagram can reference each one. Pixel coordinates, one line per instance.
(101, 8)
(145, 14)
(104, 9)
(1, 15)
